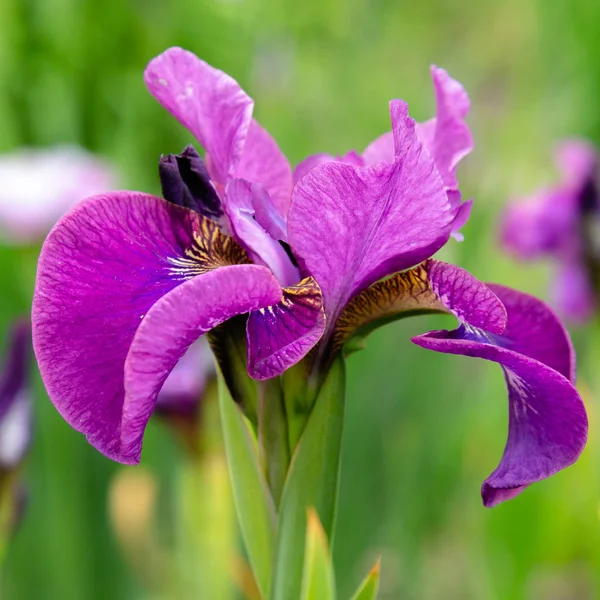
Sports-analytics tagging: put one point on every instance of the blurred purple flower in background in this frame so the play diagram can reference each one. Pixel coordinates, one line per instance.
(127, 281)
(561, 223)
(15, 400)
(40, 185)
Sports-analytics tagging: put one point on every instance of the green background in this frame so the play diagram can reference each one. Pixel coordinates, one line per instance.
(423, 430)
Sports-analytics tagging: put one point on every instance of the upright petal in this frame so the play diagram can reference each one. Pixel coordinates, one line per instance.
(350, 226)
(206, 101)
(101, 270)
(263, 162)
(547, 419)
(572, 292)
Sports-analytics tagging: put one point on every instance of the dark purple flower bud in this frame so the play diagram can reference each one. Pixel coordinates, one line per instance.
(185, 181)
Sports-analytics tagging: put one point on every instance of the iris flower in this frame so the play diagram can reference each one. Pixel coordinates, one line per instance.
(40, 185)
(128, 281)
(561, 223)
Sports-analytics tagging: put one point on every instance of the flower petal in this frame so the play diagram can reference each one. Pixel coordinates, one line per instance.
(309, 163)
(206, 101)
(350, 226)
(240, 208)
(171, 326)
(547, 419)
(280, 335)
(263, 162)
(433, 286)
(380, 150)
(100, 271)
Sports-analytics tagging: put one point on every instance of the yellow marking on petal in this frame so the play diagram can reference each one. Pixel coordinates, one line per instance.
(210, 250)
(406, 292)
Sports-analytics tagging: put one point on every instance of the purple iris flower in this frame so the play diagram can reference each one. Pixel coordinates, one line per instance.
(15, 401)
(561, 223)
(127, 281)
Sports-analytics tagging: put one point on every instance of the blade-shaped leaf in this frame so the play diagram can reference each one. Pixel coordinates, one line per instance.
(312, 482)
(370, 585)
(317, 579)
(253, 501)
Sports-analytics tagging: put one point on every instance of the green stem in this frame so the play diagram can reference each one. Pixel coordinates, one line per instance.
(273, 435)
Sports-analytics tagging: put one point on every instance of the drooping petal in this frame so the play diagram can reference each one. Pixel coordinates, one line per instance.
(547, 419)
(174, 322)
(15, 400)
(206, 101)
(101, 269)
(263, 162)
(350, 226)
(39, 186)
(432, 287)
(447, 136)
(280, 335)
(240, 208)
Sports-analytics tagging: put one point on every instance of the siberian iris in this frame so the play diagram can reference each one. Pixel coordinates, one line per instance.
(311, 260)
(561, 223)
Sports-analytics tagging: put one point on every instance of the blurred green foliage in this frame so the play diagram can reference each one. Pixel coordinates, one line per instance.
(423, 430)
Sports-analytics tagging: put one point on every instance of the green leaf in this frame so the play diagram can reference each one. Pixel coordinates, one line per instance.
(312, 482)
(317, 579)
(253, 500)
(370, 585)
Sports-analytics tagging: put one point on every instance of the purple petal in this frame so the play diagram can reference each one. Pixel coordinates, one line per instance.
(577, 161)
(350, 226)
(447, 136)
(280, 335)
(240, 209)
(15, 400)
(380, 150)
(263, 162)
(547, 419)
(171, 326)
(101, 269)
(206, 101)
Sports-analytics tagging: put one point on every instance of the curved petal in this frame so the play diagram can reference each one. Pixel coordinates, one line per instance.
(281, 335)
(547, 419)
(263, 162)
(431, 287)
(168, 330)
(350, 226)
(100, 271)
(206, 101)
(240, 208)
